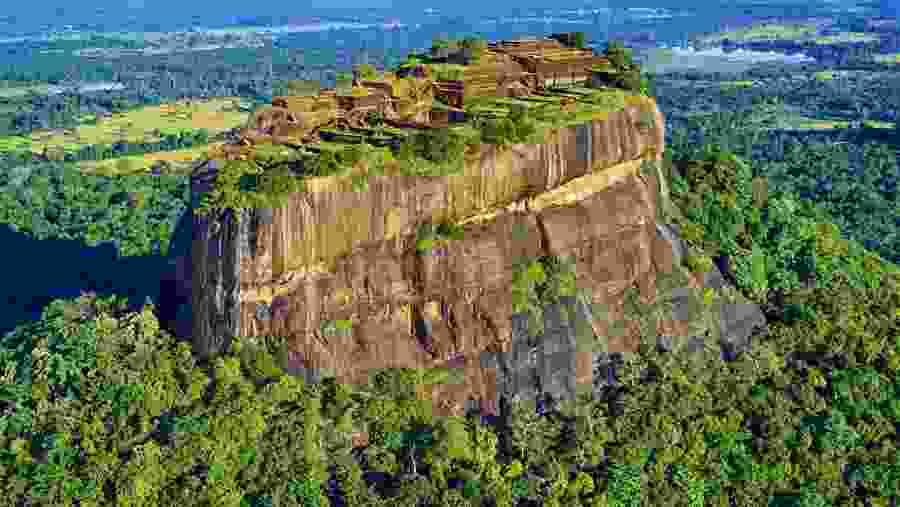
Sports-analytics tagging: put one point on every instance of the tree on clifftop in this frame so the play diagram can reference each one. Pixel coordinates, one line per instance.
(618, 55)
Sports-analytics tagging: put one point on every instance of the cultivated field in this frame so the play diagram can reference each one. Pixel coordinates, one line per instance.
(147, 124)
(12, 90)
(736, 84)
(770, 31)
(181, 162)
(894, 58)
(799, 122)
(846, 37)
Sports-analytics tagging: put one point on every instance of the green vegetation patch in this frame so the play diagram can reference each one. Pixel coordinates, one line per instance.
(57, 201)
(723, 217)
(273, 172)
(175, 162)
(339, 327)
(144, 125)
(430, 235)
(11, 92)
(504, 120)
(846, 38)
(540, 281)
(447, 71)
(245, 184)
(803, 123)
(434, 152)
(737, 84)
(888, 58)
(875, 124)
(766, 31)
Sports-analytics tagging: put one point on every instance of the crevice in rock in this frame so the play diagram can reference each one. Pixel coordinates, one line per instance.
(423, 329)
(542, 229)
(489, 325)
(453, 327)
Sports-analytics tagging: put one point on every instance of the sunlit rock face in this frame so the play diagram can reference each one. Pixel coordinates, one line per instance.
(336, 271)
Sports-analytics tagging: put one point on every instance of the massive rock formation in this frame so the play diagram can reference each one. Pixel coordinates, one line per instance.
(334, 256)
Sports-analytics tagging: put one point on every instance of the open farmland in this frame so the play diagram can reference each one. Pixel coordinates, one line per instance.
(875, 124)
(846, 37)
(736, 84)
(147, 124)
(766, 31)
(181, 162)
(800, 122)
(11, 90)
(891, 58)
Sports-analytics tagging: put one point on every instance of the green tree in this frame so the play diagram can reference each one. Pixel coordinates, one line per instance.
(351, 481)
(376, 119)
(579, 40)
(415, 491)
(484, 449)
(618, 55)
(311, 439)
(521, 123)
(454, 440)
(532, 435)
(327, 163)
(476, 45)
(366, 71)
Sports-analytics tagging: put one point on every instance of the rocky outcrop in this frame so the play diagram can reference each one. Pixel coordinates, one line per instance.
(338, 274)
(333, 218)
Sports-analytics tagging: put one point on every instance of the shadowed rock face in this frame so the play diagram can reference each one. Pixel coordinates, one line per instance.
(452, 306)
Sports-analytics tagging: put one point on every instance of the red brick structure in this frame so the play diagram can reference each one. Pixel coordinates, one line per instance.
(548, 60)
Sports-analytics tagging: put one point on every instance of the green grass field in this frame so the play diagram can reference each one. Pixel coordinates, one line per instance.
(846, 37)
(875, 124)
(736, 84)
(182, 161)
(891, 58)
(767, 31)
(146, 124)
(15, 91)
(793, 31)
(803, 123)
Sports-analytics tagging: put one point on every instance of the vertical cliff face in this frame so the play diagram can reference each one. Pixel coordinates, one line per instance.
(332, 218)
(337, 272)
(215, 253)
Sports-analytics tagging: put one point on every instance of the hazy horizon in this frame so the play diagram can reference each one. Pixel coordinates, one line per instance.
(28, 16)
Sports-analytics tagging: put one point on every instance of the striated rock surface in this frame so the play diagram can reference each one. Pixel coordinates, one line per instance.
(332, 218)
(337, 272)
